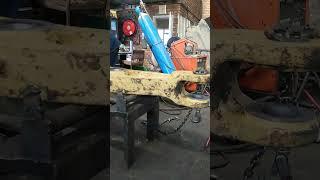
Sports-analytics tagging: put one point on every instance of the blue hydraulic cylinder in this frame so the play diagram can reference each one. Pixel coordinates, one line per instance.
(154, 41)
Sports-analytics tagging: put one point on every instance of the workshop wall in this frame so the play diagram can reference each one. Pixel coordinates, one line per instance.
(205, 9)
(194, 8)
(176, 9)
(185, 13)
(188, 9)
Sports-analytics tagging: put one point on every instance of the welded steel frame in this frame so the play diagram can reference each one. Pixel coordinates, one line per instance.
(129, 109)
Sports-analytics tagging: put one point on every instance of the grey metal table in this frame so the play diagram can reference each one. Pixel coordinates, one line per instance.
(129, 109)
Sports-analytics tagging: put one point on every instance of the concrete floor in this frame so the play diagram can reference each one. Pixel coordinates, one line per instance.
(174, 157)
(304, 162)
(181, 156)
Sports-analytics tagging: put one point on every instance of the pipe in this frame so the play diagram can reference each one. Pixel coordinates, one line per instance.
(154, 41)
(310, 97)
(305, 79)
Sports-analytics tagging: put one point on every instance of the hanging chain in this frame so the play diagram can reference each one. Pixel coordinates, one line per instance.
(254, 162)
(180, 126)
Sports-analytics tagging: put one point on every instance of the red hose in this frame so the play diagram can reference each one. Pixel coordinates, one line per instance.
(312, 99)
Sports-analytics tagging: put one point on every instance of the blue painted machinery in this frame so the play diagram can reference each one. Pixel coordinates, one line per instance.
(154, 41)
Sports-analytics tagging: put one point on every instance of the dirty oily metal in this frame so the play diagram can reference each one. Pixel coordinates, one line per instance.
(254, 47)
(67, 64)
(158, 84)
(246, 126)
(74, 4)
(237, 116)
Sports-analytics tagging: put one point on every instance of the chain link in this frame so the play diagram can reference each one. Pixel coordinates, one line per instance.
(254, 162)
(179, 127)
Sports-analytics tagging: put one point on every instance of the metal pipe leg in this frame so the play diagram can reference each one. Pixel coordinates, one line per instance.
(153, 120)
(128, 130)
(129, 138)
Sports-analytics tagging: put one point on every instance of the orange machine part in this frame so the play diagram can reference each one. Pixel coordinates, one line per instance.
(183, 62)
(260, 79)
(180, 60)
(245, 14)
(257, 15)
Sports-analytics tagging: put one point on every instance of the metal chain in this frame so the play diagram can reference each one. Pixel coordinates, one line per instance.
(179, 127)
(254, 162)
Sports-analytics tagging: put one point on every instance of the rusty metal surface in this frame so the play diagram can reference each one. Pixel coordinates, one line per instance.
(67, 64)
(253, 47)
(158, 84)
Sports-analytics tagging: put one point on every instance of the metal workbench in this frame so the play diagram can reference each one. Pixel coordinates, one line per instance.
(128, 109)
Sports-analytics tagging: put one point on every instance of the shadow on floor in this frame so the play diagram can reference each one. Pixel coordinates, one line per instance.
(175, 157)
